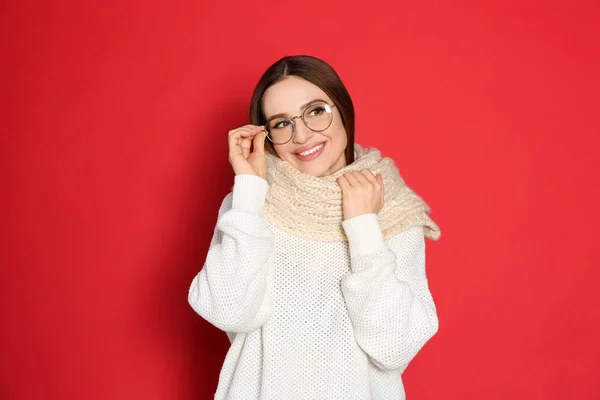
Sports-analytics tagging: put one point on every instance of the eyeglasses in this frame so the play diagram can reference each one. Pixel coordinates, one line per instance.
(317, 117)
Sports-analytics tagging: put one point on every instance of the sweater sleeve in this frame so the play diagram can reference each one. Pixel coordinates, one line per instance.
(232, 290)
(386, 292)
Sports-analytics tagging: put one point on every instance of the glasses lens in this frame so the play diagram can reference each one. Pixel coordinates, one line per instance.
(318, 116)
(279, 130)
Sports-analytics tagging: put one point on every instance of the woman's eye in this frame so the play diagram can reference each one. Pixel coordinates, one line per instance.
(281, 124)
(317, 111)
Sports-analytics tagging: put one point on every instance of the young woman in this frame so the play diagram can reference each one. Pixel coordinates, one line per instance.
(316, 269)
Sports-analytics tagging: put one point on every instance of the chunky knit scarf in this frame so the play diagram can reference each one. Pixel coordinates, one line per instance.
(311, 207)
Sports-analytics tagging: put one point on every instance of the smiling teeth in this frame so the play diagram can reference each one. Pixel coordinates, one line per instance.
(305, 153)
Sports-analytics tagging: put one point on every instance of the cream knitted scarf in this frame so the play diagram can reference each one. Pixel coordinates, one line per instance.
(311, 207)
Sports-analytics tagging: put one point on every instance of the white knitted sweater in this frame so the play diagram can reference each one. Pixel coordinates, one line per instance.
(310, 319)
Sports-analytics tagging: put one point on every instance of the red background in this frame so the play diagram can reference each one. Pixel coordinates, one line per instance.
(114, 163)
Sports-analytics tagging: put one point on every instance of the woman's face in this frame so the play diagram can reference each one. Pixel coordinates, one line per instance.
(288, 96)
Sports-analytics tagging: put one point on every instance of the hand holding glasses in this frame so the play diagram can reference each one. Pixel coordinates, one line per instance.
(247, 150)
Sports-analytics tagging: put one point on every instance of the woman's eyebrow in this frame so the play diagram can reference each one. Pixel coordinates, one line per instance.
(303, 107)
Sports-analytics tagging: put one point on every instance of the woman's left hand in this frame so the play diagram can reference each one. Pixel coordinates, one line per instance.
(362, 193)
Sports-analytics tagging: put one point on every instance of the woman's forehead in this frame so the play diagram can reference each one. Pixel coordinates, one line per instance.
(289, 95)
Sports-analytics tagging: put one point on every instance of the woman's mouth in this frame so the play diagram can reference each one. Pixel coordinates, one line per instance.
(312, 153)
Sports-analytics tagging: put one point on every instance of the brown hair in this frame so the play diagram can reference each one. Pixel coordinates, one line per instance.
(317, 72)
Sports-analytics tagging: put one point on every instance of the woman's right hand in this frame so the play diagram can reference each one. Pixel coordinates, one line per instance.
(247, 150)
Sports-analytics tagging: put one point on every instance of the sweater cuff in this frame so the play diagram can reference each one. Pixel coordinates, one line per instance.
(249, 193)
(364, 235)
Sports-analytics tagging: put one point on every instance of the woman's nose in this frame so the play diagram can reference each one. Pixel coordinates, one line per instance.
(302, 134)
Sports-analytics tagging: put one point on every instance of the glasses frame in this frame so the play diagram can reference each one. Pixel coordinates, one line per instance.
(331, 106)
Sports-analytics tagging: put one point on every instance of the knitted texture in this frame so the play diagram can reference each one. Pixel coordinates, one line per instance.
(307, 318)
(311, 207)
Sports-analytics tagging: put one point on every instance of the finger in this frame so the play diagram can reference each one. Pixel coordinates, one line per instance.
(370, 177)
(243, 127)
(251, 135)
(360, 177)
(245, 144)
(351, 179)
(246, 130)
(238, 130)
(380, 179)
(259, 142)
(342, 181)
(234, 145)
